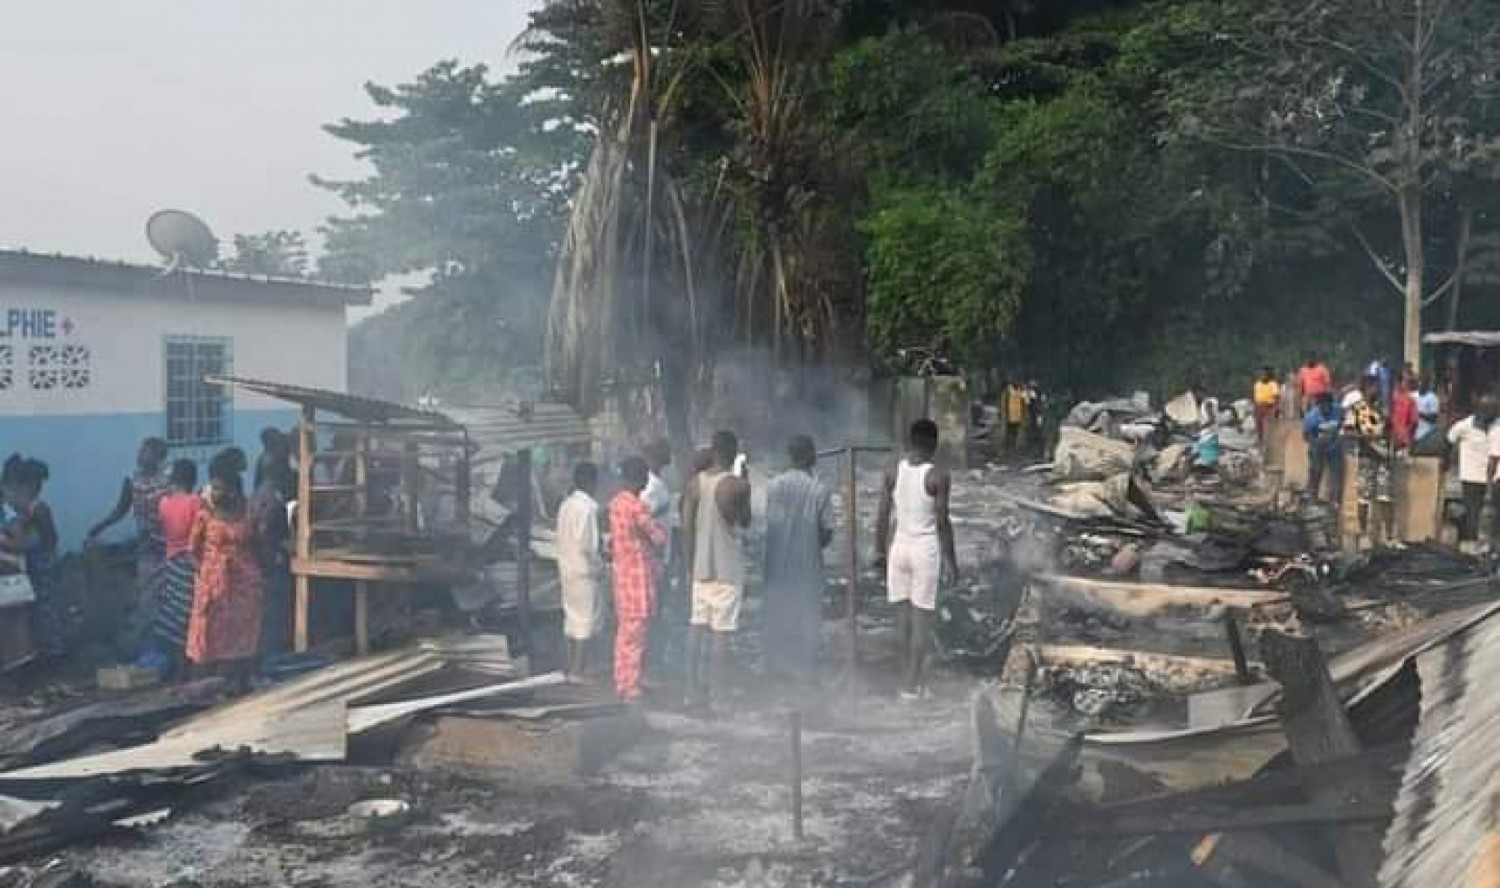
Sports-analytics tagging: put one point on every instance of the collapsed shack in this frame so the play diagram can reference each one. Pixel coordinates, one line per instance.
(520, 458)
(396, 502)
(382, 500)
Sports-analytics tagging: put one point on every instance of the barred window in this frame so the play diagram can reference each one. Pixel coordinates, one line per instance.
(197, 413)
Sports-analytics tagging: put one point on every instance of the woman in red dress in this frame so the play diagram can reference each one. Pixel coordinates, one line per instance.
(224, 628)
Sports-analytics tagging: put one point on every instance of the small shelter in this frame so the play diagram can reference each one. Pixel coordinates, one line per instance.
(1469, 361)
(382, 497)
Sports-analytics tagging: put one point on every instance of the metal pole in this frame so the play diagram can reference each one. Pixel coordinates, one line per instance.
(852, 604)
(797, 774)
(523, 548)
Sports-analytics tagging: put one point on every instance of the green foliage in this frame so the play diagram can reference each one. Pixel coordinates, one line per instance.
(912, 108)
(271, 253)
(467, 195)
(941, 267)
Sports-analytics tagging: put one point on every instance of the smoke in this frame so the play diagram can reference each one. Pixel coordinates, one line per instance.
(766, 405)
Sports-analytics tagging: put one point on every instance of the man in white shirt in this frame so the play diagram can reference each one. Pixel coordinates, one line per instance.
(580, 567)
(1477, 443)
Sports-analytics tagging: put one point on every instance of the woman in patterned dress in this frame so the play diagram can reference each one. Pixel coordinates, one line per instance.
(224, 628)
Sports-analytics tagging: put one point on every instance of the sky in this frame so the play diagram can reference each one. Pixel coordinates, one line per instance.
(116, 108)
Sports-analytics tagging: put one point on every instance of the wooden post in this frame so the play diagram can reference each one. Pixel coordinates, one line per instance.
(852, 597)
(1318, 731)
(523, 548)
(1237, 648)
(307, 446)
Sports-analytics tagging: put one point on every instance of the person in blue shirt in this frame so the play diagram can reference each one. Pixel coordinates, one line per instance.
(1428, 408)
(1320, 427)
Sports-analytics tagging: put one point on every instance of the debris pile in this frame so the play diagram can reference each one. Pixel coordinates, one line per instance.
(121, 764)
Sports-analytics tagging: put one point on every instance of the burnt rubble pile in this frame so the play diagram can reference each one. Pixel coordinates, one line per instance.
(1203, 689)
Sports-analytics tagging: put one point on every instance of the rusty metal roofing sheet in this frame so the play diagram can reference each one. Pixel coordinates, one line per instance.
(342, 404)
(1447, 804)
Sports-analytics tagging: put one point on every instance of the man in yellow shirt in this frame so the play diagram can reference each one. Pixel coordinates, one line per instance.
(1013, 414)
(1267, 399)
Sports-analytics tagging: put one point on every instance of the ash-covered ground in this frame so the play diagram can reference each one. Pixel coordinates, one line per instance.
(694, 802)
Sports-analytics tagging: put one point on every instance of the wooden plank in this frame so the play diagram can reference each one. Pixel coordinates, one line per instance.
(1318, 730)
(378, 573)
(1146, 599)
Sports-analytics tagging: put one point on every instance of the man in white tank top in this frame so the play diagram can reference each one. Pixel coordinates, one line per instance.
(920, 554)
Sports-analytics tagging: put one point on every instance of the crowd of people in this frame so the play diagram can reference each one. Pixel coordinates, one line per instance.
(636, 550)
(1384, 414)
(206, 558)
(212, 561)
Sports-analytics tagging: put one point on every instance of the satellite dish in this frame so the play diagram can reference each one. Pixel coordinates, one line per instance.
(182, 239)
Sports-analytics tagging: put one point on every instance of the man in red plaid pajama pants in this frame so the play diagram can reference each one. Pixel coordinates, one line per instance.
(632, 536)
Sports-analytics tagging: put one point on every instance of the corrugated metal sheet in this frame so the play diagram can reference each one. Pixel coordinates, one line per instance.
(503, 429)
(1449, 792)
(1477, 338)
(496, 432)
(342, 404)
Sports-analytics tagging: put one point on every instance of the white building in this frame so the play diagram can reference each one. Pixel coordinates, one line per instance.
(97, 356)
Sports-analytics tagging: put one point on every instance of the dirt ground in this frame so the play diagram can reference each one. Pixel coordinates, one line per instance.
(695, 801)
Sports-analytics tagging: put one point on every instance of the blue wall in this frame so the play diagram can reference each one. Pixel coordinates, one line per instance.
(90, 455)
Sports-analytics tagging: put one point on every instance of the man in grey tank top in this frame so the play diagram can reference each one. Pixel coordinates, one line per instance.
(715, 507)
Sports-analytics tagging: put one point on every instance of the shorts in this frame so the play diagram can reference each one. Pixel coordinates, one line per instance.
(912, 571)
(716, 605)
(582, 611)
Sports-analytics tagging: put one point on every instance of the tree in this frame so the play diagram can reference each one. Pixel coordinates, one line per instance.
(468, 192)
(943, 267)
(1376, 107)
(273, 253)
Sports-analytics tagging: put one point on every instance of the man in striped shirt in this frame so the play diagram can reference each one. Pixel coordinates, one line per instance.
(799, 526)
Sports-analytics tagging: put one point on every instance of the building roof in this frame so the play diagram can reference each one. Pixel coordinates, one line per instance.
(353, 407)
(1476, 338)
(129, 279)
(1449, 800)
